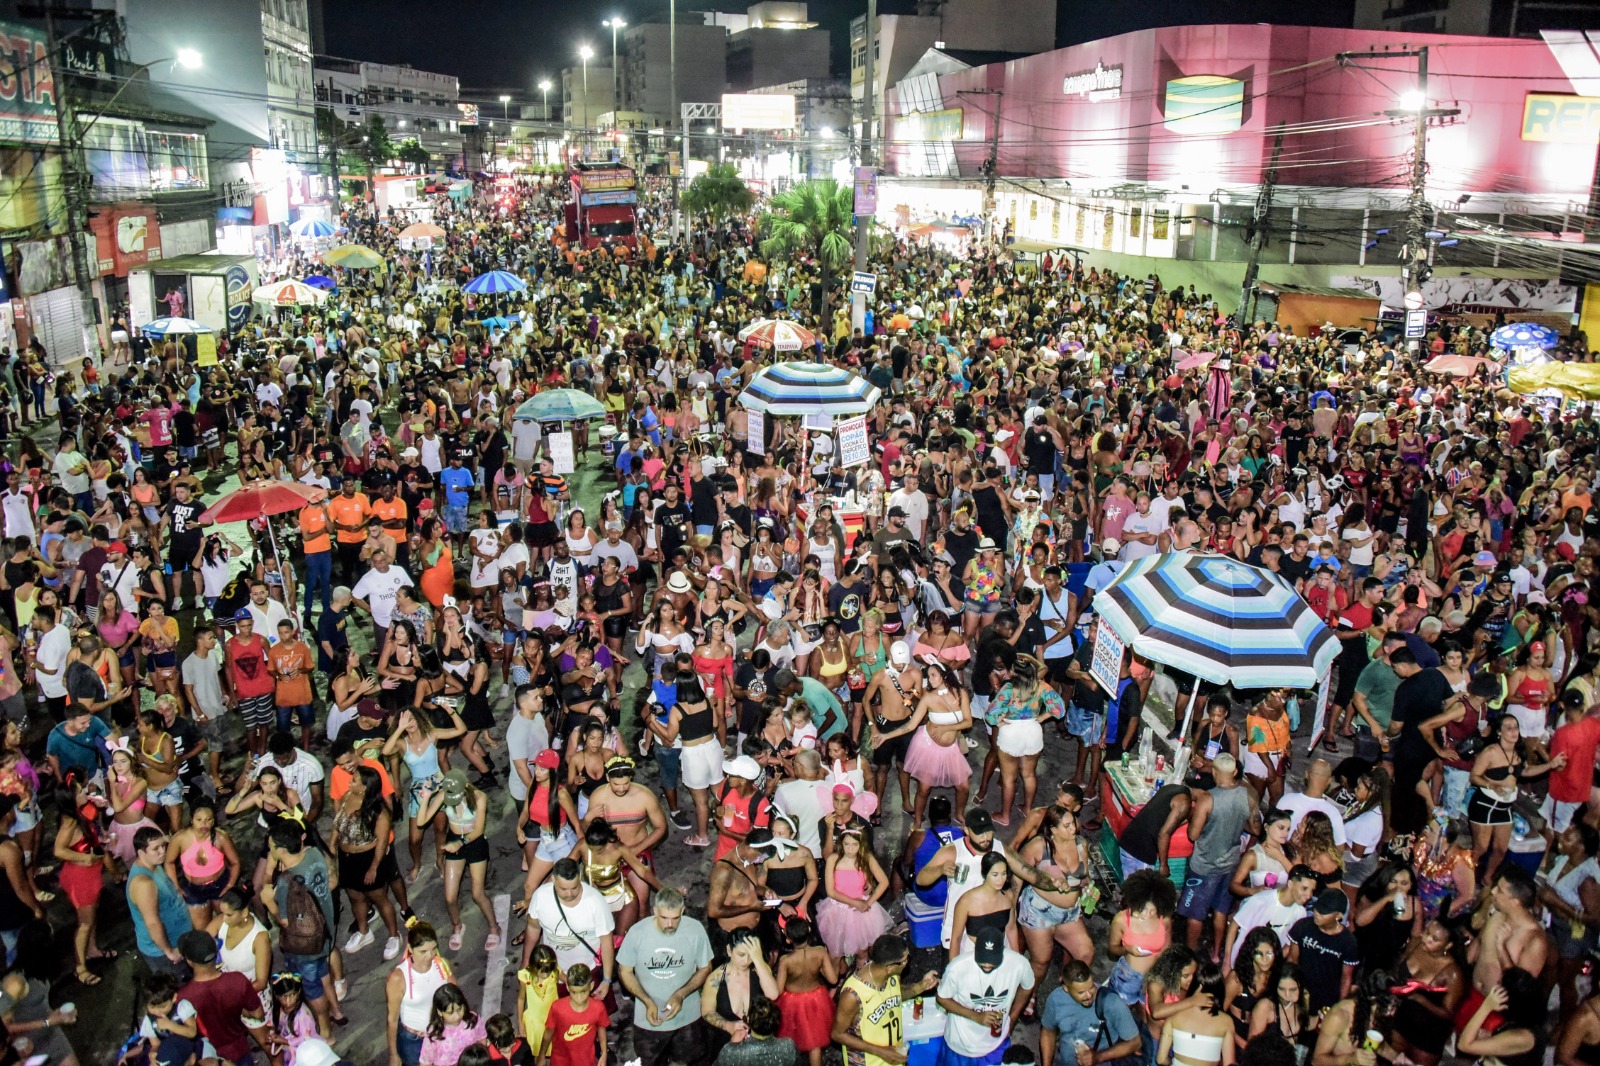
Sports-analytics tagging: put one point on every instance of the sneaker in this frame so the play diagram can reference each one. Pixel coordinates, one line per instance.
(680, 821)
(391, 948)
(358, 941)
(341, 989)
(177, 604)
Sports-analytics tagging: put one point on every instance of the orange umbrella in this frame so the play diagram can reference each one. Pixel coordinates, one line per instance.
(422, 229)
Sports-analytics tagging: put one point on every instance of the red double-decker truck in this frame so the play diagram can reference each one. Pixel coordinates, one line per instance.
(604, 205)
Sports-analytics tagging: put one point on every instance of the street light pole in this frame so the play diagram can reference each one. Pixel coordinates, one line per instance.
(1413, 106)
(675, 117)
(858, 301)
(586, 53)
(616, 24)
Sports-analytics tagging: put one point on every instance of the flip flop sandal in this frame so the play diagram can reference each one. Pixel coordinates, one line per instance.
(491, 942)
(455, 939)
(85, 977)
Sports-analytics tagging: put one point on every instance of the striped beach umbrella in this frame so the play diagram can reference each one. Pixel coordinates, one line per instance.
(799, 388)
(1220, 619)
(172, 327)
(313, 227)
(288, 293)
(779, 334)
(494, 282)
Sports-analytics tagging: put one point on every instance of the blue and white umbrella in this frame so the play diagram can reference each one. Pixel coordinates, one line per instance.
(560, 405)
(1524, 335)
(313, 227)
(320, 281)
(1219, 619)
(801, 388)
(172, 327)
(494, 282)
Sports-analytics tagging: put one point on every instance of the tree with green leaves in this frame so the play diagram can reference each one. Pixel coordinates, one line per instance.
(816, 219)
(718, 193)
(372, 142)
(411, 152)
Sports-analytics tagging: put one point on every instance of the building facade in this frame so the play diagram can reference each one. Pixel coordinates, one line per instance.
(1150, 149)
(411, 102)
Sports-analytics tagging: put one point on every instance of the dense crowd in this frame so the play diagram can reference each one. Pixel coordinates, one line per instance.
(254, 740)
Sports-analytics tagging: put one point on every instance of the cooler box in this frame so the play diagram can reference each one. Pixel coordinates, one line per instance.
(925, 1035)
(924, 922)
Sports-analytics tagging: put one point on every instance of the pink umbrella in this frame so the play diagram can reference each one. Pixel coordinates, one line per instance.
(1461, 366)
(1192, 360)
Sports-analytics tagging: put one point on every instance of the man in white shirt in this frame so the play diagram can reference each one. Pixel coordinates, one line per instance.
(915, 504)
(575, 920)
(16, 507)
(1314, 798)
(50, 659)
(267, 612)
(301, 771)
(1141, 533)
(801, 799)
(120, 575)
(375, 593)
(1278, 908)
(269, 392)
(980, 993)
(71, 468)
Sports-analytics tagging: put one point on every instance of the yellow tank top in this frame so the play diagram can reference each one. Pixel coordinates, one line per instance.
(879, 1019)
(537, 997)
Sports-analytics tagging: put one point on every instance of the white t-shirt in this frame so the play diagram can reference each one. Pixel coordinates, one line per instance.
(268, 617)
(1365, 830)
(1361, 556)
(525, 738)
(565, 926)
(1140, 523)
(1299, 805)
(378, 590)
(524, 439)
(52, 655)
(300, 775)
(1264, 908)
(802, 801)
(966, 983)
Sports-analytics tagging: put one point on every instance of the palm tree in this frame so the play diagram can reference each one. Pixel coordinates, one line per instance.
(813, 218)
(718, 193)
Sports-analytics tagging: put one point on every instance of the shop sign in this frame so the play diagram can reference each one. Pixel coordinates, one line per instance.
(1559, 118)
(1097, 85)
(27, 88)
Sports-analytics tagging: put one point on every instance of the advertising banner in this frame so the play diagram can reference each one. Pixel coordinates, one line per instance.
(1105, 666)
(756, 432)
(27, 88)
(853, 446)
(559, 445)
(866, 191)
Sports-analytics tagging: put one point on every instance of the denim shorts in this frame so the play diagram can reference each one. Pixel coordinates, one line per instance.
(455, 518)
(312, 969)
(1126, 982)
(982, 609)
(556, 848)
(1036, 912)
(668, 761)
(168, 795)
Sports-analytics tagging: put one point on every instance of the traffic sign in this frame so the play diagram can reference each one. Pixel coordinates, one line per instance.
(863, 281)
(1413, 301)
(1416, 324)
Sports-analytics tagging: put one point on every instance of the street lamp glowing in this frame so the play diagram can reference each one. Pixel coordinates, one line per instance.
(544, 85)
(1413, 100)
(616, 23)
(505, 106)
(827, 133)
(585, 53)
(189, 59)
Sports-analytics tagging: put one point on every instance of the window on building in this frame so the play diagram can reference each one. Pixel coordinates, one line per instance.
(177, 161)
(115, 152)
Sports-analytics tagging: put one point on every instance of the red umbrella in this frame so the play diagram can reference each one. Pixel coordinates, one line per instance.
(254, 499)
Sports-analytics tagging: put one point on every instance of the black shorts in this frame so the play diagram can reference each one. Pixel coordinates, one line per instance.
(886, 753)
(472, 851)
(353, 869)
(1056, 669)
(181, 553)
(541, 534)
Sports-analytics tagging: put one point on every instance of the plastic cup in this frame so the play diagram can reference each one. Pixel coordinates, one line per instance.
(69, 1012)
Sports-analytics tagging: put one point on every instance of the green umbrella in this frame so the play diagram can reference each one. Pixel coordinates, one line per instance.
(560, 405)
(353, 255)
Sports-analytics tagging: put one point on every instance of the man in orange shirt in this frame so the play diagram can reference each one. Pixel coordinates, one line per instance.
(290, 664)
(391, 510)
(349, 510)
(318, 548)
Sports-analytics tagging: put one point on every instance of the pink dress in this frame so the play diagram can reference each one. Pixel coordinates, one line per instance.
(844, 929)
(938, 765)
(451, 1043)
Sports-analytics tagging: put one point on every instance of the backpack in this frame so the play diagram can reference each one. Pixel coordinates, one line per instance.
(305, 928)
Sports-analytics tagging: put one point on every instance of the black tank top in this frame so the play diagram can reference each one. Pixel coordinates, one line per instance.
(696, 725)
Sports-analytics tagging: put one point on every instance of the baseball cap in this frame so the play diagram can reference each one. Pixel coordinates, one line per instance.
(978, 821)
(1331, 901)
(898, 512)
(117, 546)
(990, 949)
(900, 653)
(1484, 559)
(1110, 546)
(744, 766)
(549, 759)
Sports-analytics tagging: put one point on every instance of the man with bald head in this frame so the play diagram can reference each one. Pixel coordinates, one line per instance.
(1314, 798)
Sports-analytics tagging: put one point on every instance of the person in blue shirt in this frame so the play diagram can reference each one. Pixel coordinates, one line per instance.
(826, 710)
(78, 745)
(1081, 1012)
(458, 483)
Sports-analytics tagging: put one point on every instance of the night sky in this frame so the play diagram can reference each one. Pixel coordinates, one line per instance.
(508, 45)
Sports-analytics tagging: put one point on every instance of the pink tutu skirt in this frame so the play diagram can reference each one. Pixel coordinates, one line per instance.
(848, 931)
(934, 765)
(119, 840)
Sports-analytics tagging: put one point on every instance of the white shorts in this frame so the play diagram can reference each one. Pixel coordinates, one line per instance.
(700, 765)
(1557, 813)
(1533, 723)
(1255, 765)
(1020, 738)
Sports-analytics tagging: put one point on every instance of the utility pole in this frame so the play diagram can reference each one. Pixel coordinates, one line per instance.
(675, 116)
(991, 164)
(1258, 238)
(869, 80)
(1413, 106)
(75, 174)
